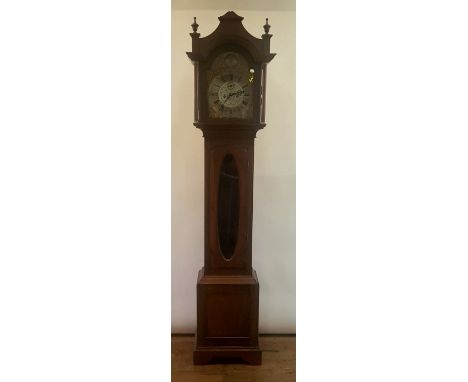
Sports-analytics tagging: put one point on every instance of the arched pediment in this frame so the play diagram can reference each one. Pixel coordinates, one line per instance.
(230, 31)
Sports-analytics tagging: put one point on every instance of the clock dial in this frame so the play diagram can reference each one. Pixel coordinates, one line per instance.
(229, 89)
(231, 94)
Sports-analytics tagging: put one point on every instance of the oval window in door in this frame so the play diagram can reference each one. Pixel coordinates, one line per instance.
(228, 206)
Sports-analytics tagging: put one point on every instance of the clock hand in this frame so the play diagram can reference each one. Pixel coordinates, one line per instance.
(239, 92)
(228, 96)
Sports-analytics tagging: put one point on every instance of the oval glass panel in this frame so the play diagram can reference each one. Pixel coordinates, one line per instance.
(228, 206)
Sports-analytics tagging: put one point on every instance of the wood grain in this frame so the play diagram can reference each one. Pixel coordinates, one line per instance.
(279, 363)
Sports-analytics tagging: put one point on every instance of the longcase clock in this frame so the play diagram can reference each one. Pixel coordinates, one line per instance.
(230, 83)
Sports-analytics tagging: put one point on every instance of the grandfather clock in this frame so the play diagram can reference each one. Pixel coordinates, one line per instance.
(230, 82)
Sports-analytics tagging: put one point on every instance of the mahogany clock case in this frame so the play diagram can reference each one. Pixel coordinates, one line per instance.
(227, 285)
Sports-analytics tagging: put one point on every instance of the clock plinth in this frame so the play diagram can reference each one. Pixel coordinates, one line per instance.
(227, 318)
(230, 83)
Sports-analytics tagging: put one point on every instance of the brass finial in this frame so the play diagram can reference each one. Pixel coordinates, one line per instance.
(266, 27)
(194, 25)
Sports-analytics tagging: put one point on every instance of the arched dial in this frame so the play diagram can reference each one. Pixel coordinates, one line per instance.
(230, 86)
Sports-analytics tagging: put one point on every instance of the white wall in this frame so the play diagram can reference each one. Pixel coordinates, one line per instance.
(274, 183)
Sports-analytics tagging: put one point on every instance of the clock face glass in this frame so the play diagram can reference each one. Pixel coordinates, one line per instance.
(230, 87)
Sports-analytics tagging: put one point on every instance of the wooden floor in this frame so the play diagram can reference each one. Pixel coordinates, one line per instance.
(278, 365)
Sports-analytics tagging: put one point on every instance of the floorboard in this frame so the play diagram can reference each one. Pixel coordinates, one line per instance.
(278, 365)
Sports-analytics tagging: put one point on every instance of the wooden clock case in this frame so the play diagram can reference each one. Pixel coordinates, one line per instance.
(227, 285)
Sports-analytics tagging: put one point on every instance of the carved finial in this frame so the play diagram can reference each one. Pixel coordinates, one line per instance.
(195, 25)
(266, 27)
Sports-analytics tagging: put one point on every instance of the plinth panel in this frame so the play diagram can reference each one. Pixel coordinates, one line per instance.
(229, 311)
